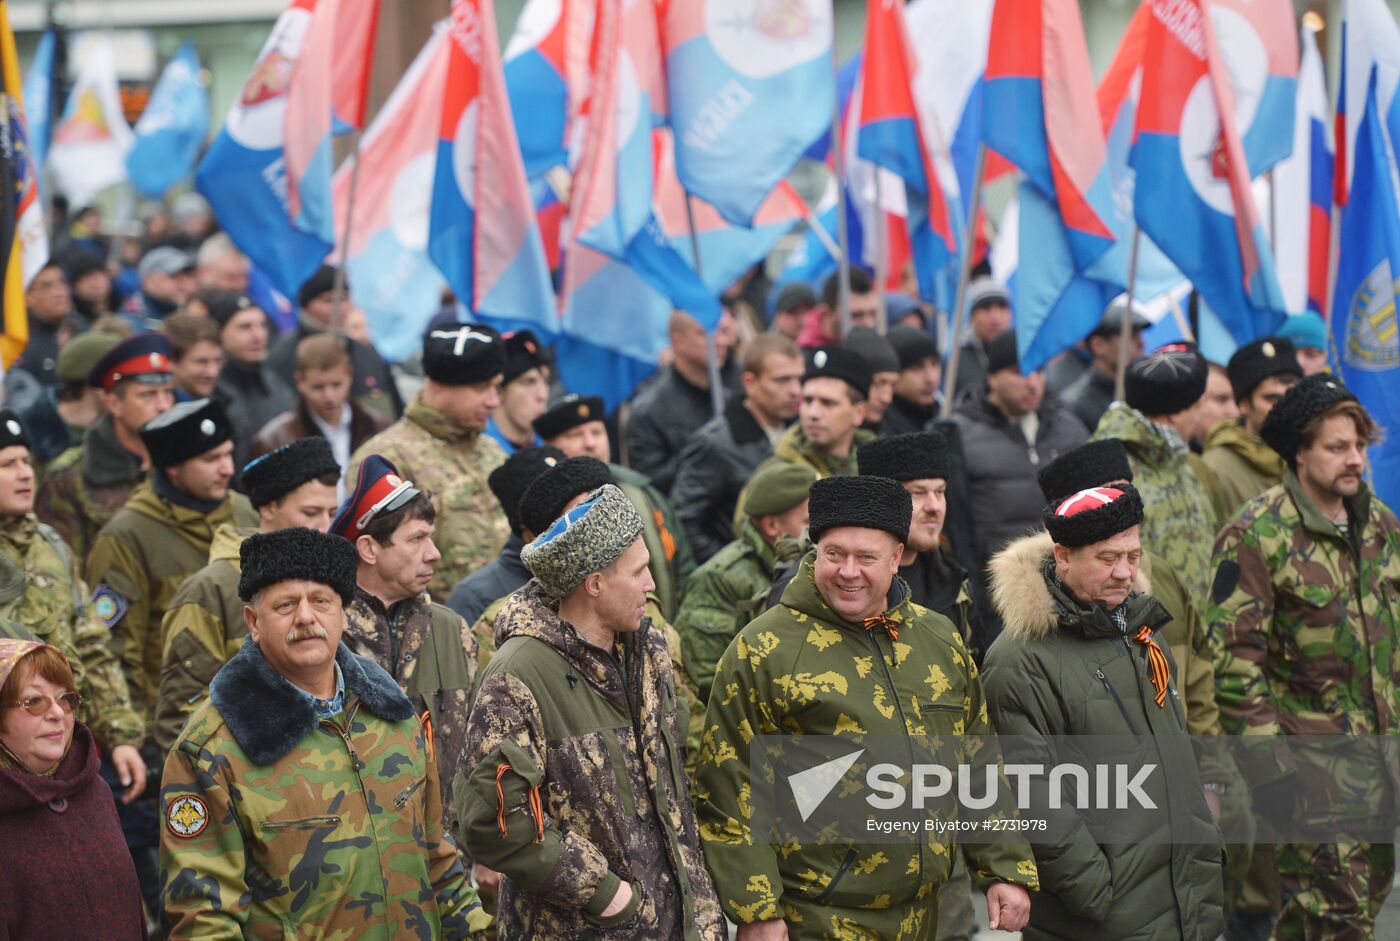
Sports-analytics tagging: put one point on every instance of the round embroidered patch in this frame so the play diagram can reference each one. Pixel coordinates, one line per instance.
(187, 817)
(106, 607)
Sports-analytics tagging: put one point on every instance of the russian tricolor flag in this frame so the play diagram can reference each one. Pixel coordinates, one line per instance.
(482, 234)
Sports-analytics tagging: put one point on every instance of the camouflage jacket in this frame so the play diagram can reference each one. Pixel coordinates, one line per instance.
(84, 487)
(451, 462)
(201, 631)
(279, 824)
(1180, 520)
(794, 448)
(1059, 669)
(576, 784)
(1244, 466)
(431, 653)
(800, 669)
(719, 600)
(54, 606)
(135, 566)
(673, 560)
(1306, 619)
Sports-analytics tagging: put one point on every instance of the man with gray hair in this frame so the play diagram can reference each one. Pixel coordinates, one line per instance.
(575, 794)
(220, 266)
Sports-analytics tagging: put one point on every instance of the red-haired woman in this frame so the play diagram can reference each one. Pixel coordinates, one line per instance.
(65, 871)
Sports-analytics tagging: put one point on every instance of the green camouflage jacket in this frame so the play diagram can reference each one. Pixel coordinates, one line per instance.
(54, 606)
(576, 784)
(672, 559)
(451, 462)
(431, 653)
(799, 669)
(794, 448)
(84, 487)
(1180, 521)
(137, 564)
(1244, 466)
(1305, 620)
(201, 631)
(721, 597)
(278, 824)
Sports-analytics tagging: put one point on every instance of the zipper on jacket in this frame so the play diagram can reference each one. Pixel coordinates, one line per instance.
(839, 874)
(1123, 710)
(908, 739)
(408, 792)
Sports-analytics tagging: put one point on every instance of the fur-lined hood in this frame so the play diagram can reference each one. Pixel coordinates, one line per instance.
(1019, 590)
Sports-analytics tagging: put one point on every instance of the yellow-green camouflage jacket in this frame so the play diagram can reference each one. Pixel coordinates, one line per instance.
(278, 823)
(201, 631)
(85, 486)
(451, 461)
(137, 564)
(575, 784)
(54, 607)
(1244, 466)
(800, 669)
(1305, 620)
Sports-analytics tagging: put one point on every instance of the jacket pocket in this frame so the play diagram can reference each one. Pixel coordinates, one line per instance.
(1112, 692)
(846, 862)
(621, 776)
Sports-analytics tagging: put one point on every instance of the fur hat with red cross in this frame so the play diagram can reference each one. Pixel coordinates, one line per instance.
(1093, 515)
(378, 490)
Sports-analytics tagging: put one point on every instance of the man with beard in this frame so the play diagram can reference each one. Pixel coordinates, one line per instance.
(1306, 614)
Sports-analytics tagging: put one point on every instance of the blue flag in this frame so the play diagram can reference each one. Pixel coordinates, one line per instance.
(171, 129)
(38, 99)
(1364, 330)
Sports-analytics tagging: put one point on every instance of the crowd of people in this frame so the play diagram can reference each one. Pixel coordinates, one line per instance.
(297, 643)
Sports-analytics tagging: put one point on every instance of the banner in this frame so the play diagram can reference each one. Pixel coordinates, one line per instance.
(172, 129)
(92, 138)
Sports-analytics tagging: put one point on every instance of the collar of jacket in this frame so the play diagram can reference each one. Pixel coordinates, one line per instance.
(383, 613)
(19, 531)
(268, 716)
(743, 427)
(527, 614)
(919, 414)
(802, 596)
(105, 462)
(147, 502)
(437, 424)
(241, 375)
(1032, 608)
(165, 489)
(756, 544)
(1232, 436)
(1318, 524)
(228, 539)
(794, 447)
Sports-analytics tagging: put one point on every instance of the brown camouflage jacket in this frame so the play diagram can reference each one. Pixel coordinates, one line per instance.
(84, 487)
(576, 784)
(432, 654)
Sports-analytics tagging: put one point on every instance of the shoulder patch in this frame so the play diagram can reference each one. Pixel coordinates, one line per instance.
(186, 817)
(108, 605)
(1227, 576)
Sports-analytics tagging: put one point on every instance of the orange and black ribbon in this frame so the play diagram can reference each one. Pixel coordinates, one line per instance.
(536, 806)
(890, 625)
(427, 721)
(1157, 663)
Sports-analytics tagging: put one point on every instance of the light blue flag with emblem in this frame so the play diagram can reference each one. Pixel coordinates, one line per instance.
(38, 99)
(172, 129)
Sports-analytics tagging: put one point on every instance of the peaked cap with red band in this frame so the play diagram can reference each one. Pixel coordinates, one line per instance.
(144, 358)
(1093, 515)
(378, 490)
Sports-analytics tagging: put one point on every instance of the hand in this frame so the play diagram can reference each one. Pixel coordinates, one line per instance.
(131, 771)
(619, 899)
(1008, 907)
(775, 929)
(1213, 802)
(487, 880)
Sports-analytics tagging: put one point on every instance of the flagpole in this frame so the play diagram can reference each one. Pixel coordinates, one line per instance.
(843, 258)
(1125, 326)
(882, 260)
(816, 228)
(338, 298)
(711, 349)
(964, 275)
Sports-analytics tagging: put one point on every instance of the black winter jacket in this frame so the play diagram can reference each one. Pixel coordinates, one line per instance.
(713, 469)
(665, 416)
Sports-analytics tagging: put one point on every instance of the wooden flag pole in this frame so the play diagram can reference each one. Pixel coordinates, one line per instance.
(711, 349)
(882, 258)
(838, 159)
(339, 301)
(964, 276)
(1125, 327)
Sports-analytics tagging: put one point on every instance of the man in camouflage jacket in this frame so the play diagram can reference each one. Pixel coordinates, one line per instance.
(85, 486)
(1181, 519)
(1305, 611)
(872, 663)
(293, 485)
(438, 443)
(576, 793)
(302, 798)
(725, 593)
(1242, 464)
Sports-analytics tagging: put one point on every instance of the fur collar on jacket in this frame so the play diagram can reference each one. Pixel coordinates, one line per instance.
(268, 716)
(1020, 594)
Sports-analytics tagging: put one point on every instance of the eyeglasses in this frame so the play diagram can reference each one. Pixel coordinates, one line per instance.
(40, 705)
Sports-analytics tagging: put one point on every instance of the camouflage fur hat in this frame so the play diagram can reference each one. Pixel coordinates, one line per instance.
(587, 539)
